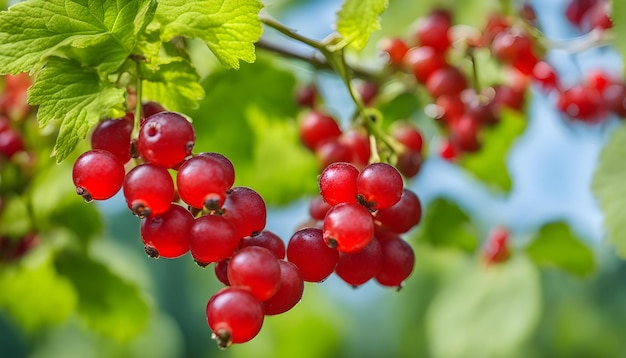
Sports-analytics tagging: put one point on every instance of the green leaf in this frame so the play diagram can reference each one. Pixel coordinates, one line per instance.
(609, 187)
(556, 245)
(14, 218)
(229, 27)
(618, 17)
(357, 19)
(281, 167)
(76, 97)
(174, 83)
(34, 295)
(489, 311)
(107, 303)
(226, 122)
(446, 225)
(489, 164)
(99, 34)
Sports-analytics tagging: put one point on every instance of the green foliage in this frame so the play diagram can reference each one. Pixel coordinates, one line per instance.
(14, 218)
(174, 83)
(256, 129)
(489, 164)
(107, 303)
(75, 96)
(228, 27)
(357, 19)
(556, 245)
(34, 295)
(609, 186)
(489, 311)
(100, 36)
(445, 224)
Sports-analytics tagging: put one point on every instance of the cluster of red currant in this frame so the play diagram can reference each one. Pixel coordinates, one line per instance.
(357, 223)
(320, 132)
(460, 109)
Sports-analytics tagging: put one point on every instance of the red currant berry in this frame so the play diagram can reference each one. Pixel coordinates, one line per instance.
(202, 181)
(113, 135)
(379, 185)
(317, 128)
(149, 190)
(402, 216)
(359, 267)
(265, 239)
(307, 250)
(97, 175)
(255, 269)
(246, 209)
(398, 262)
(212, 238)
(234, 315)
(290, 291)
(348, 227)
(395, 49)
(166, 139)
(338, 183)
(167, 235)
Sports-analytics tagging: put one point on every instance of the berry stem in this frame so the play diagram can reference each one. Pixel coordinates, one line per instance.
(138, 94)
(475, 77)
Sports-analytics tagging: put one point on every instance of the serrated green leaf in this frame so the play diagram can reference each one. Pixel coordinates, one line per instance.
(174, 83)
(75, 97)
(357, 19)
(618, 17)
(229, 27)
(609, 187)
(556, 245)
(34, 295)
(100, 34)
(489, 311)
(226, 123)
(446, 225)
(107, 303)
(489, 164)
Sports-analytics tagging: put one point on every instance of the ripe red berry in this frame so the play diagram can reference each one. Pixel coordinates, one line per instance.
(255, 269)
(359, 267)
(167, 235)
(395, 49)
(202, 181)
(307, 250)
(246, 209)
(338, 183)
(446, 81)
(349, 227)
(212, 238)
(266, 239)
(149, 190)
(11, 142)
(398, 262)
(166, 139)
(379, 185)
(402, 216)
(97, 175)
(290, 291)
(423, 61)
(113, 135)
(316, 128)
(433, 30)
(234, 315)
(496, 248)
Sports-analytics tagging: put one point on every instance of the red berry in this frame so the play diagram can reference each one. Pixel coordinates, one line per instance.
(203, 180)
(265, 239)
(97, 175)
(307, 250)
(166, 139)
(317, 128)
(246, 209)
(234, 315)
(113, 135)
(496, 248)
(402, 216)
(349, 227)
(167, 235)
(398, 262)
(433, 30)
(290, 291)
(379, 185)
(359, 267)
(395, 49)
(149, 190)
(212, 238)
(338, 183)
(255, 269)
(423, 61)
(446, 81)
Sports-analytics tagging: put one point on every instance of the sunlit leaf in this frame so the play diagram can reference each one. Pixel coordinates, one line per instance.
(357, 19)
(445, 224)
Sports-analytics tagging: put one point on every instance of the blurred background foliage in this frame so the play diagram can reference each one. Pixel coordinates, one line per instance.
(561, 295)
